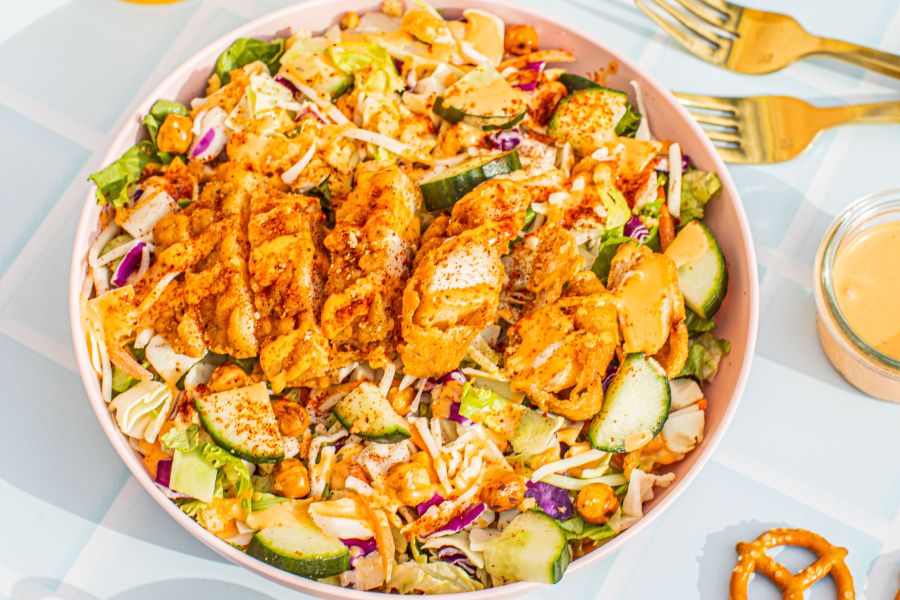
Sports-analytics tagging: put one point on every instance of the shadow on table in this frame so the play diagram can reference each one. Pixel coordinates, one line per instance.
(39, 588)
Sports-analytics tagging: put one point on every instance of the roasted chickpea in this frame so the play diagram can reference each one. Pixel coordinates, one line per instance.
(228, 376)
(409, 483)
(520, 39)
(291, 479)
(502, 489)
(292, 418)
(596, 503)
(350, 20)
(401, 400)
(175, 134)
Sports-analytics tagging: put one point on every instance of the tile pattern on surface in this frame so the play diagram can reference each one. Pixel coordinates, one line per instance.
(804, 450)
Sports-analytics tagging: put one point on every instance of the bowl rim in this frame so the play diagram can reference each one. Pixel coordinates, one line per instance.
(87, 224)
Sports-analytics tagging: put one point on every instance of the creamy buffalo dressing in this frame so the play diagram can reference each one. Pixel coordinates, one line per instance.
(867, 287)
(689, 245)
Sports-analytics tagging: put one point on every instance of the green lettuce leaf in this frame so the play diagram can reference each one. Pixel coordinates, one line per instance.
(628, 124)
(697, 324)
(262, 483)
(535, 433)
(113, 181)
(704, 355)
(267, 501)
(431, 578)
(234, 469)
(697, 187)
(190, 506)
(577, 528)
(479, 403)
(609, 243)
(372, 66)
(184, 440)
(121, 382)
(245, 51)
(247, 364)
(303, 47)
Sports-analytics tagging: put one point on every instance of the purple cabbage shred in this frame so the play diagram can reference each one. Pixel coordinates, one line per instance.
(505, 140)
(129, 265)
(552, 500)
(636, 230)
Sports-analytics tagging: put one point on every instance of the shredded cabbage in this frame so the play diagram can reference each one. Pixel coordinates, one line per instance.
(432, 578)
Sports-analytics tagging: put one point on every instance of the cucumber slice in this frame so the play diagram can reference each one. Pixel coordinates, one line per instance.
(242, 422)
(318, 72)
(586, 116)
(482, 98)
(305, 551)
(704, 281)
(637, 401)
(365, 412)
(443, 190)
(531, 548)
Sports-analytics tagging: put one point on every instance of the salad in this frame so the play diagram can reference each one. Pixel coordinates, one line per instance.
(406, 306)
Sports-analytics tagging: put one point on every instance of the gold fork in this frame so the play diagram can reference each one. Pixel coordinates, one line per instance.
(771, 129)
(758, 41)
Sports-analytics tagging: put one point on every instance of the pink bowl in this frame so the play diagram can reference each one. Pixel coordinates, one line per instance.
(738, 315)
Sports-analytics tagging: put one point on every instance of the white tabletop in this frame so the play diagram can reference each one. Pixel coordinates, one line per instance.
(805, 449)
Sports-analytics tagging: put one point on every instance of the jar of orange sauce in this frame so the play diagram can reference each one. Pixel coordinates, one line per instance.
(858, 294)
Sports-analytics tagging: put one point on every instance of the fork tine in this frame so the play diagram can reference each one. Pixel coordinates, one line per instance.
(690, 23)
(723, 136)
(735, 155)
(689, 42)
(728, 105)
(700, 10)
(728, 8)
(715, 120)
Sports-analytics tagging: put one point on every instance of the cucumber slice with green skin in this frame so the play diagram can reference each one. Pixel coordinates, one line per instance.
(305, 551)
(318, 72)
(482, 98)
(704, 282)
(445, 189)
(242, 422)
(587, 115)
(531, 548)
(637, 401)
(366, 413)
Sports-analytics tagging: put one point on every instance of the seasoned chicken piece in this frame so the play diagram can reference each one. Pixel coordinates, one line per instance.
(432, 238)
(218, 301)
(455, 289)
(287, 266)
(556, 261)
(558, 354)
(228, 96)
(650, 305)
(372, 247)
(634, 163)
(450, 298)
(536, 271)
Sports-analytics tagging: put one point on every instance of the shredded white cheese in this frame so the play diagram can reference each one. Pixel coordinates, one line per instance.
(559, 466)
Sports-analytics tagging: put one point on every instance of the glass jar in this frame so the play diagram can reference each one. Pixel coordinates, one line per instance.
(864, 366)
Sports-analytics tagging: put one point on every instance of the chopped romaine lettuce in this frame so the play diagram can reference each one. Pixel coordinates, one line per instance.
(431, 578)
(245, 51)
(265, 501)
(628, 124)
(479, 403)
(303, 47)
(262, 483)
(373, 68)
(182, 439)
(609, 243)
(190, 506)
(122, 382)
(535, 432)
(113, 181)
(697, 187)
(703, 357)
(234, 469)
(697, 324)
(577, 528)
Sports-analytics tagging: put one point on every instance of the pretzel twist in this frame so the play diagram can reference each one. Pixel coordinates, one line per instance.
(752, 557)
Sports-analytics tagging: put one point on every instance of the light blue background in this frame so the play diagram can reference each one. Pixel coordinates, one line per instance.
(805, 449)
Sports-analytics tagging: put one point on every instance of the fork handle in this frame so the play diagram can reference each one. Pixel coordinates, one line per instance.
(880, 112)
(861, 56)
